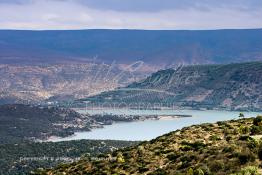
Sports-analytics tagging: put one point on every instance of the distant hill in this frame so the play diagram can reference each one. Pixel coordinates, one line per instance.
(230, 86)
(125, 46)
(231, 147)
(36, 84)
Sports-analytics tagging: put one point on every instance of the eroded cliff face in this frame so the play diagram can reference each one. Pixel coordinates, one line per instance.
(57, 82)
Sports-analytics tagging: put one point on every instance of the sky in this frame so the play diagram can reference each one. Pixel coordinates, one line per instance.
(130, 14)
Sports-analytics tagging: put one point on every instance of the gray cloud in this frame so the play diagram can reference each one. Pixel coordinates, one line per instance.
(159, 5)
(16, 1)
(142, 14)
(156, 5)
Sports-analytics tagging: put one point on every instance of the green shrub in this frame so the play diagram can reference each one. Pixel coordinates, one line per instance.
(252, 143)
(190, 171)
(142, 169)
(214, 138)
(216, 166)
(204, 169)
(186, 158)
(198, 145)
(228, 149)
(172, 157)
(185, 165)
(199, 171)
(257, 121)
(231, 165)
(186, 146)
(120, 158)
(166, 151)
(235, 131)
(250, 170)
(245, 138)
(244, 129)
(246, 156)
(260, 152)
(206, 127)
(228, 138)
(159, 172)
(221, 123)
(256, 130)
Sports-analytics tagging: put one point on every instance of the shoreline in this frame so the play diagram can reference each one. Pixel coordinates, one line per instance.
(162, 109)
(142, 119)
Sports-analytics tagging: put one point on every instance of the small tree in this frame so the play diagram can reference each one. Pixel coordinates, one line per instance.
(241, 115)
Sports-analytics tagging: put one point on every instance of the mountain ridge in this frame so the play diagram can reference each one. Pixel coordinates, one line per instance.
(125, 46)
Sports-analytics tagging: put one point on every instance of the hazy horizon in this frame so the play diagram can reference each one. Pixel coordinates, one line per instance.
(83, 29)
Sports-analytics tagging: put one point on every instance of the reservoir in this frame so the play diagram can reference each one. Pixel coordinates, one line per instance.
(149, 129)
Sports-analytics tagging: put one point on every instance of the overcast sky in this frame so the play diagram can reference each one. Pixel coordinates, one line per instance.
(130, 14)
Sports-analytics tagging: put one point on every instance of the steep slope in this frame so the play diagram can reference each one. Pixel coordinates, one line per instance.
(221, 148)
(125, 46)
(232, 86)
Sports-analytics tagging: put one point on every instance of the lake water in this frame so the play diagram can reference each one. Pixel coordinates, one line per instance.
(149, 129)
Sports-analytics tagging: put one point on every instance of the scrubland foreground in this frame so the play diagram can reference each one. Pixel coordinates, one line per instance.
(230, 147)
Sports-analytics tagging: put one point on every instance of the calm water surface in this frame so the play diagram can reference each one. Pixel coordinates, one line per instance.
(149, 129)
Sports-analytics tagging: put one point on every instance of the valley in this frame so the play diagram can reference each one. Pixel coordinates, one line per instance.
(154, 102)
(74, 107)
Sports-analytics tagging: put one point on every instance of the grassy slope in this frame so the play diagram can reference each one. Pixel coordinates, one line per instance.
(221, 148)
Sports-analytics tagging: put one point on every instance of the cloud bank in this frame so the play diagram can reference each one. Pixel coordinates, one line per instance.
(130, 14)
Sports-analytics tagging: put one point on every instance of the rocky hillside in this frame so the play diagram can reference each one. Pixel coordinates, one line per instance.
(22, 122)
(231, 147)
(60, 82)
(231, 86)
